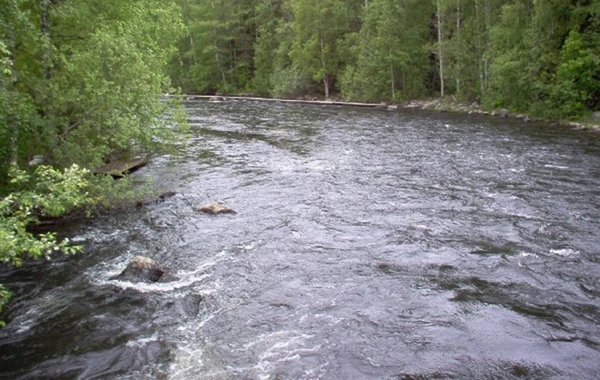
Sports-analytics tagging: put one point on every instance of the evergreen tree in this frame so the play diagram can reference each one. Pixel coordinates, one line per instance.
(217, 53)
(318, 27)
(392, 61)
(517, 54)
(514, 58)
(269, 16)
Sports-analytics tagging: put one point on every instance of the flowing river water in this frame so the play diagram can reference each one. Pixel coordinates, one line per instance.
(368, 244)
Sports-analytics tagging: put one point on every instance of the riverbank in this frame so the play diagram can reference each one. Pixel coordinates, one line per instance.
(449, 105)
(441, 105)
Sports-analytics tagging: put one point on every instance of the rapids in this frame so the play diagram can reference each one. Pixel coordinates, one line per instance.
(368, 244)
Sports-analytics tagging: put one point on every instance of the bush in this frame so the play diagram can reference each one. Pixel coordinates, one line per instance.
(576, 81)
(45, 192)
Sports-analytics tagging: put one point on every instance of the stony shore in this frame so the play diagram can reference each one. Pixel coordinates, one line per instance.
(475, 109)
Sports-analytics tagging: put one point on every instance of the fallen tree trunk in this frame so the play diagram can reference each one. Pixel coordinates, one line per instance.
(275, 100)
(118, 169)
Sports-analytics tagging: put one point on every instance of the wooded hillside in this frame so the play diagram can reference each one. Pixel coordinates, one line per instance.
(540, 57)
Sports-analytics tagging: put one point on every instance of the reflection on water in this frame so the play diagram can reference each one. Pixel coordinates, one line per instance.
(367, 245)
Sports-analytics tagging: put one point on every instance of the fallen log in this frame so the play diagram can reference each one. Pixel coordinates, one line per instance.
(297, 101)
(120, 168)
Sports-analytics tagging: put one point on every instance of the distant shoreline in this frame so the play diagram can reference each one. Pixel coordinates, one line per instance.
(441, 105)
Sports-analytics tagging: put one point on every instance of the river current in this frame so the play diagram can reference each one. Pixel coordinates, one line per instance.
(368, 244)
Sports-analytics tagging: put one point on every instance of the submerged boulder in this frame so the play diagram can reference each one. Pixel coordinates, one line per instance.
(144, 269)
(214, 209)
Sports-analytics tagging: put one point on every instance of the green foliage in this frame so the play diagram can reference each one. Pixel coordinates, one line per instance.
(216, 54)
(88, 82)
(47, 192)
(5, 62)
(268, 13)
(80, 83)
(290, 82)
(514, 59)
(577, 78)
(108, 104)
(4, 296)
(544, 58)
(318, 26)
(502, 53)
(391, 61)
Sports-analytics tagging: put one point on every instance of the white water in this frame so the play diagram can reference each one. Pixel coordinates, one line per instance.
(367, 245)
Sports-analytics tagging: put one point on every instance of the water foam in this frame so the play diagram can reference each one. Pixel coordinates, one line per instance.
(105, 276)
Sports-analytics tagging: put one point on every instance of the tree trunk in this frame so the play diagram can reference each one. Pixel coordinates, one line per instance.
(45, 31)
(486, 60)
(218, 61)
(217, 56)
(194, 60)
(325, 76)
(479, 47)
(440, 51)
(393, 82)
(13, 117)
(458, 49)
(46, 49)
(187, 11)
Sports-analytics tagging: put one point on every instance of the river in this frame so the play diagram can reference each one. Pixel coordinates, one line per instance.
(368, 244)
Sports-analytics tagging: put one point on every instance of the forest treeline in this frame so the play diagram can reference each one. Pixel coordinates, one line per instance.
(536, 56)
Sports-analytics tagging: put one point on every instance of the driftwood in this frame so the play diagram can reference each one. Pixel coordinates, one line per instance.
(118, 169)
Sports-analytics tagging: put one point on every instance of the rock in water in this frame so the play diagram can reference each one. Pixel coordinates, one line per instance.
(160, 198)
(142, 269)
(503, 112)
(214, 209)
